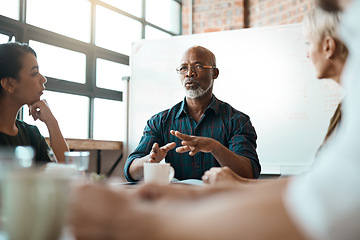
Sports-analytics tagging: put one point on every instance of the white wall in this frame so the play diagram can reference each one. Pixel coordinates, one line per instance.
(264, 73)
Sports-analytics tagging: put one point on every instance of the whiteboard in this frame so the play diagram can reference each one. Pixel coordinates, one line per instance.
(264, 73)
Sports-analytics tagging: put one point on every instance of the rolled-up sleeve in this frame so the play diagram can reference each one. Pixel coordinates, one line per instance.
(243, 142)
(150, 136)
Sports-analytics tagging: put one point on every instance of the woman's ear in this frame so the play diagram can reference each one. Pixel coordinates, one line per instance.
(8, 84)
(329, 47)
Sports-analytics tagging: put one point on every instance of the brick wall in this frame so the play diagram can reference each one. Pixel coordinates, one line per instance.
(277, 12)
(221, 15)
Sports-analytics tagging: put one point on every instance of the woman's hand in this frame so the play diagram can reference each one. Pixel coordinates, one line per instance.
(40, 110)
(222, 175)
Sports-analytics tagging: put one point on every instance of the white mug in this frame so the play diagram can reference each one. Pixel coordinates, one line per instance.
(161, 173)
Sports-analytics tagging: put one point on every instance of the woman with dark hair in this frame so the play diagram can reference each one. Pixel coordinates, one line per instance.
(21, 83)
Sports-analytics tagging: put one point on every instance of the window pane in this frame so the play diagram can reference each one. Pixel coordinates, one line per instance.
(67, 17)
(109, 74)
(164, 13)
(109, 120)
(60, 63)
(130, 6)
(153, 33)
(115, 31)
(10, 8)
(71, 112)
(4, 38)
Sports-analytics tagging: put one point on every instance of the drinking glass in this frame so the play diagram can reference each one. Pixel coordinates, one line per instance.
(16, 157)
(79, 159)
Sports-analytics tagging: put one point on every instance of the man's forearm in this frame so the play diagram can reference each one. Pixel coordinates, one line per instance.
(239, 164)
(136, 168)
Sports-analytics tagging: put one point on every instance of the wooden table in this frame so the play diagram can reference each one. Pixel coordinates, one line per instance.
(99, 145)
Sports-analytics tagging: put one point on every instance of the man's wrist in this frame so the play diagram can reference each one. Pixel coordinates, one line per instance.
(136, 168)
(215, 147)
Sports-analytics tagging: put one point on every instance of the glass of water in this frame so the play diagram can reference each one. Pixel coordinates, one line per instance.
(79, 159)
(16, 157)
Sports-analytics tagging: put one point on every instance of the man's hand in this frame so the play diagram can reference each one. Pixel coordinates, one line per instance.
(194, 144)
(158, 153)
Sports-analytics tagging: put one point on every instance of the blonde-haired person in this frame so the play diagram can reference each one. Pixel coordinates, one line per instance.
(327, 52)
(328, 55)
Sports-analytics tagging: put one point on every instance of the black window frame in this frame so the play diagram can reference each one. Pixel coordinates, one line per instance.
(24, 32)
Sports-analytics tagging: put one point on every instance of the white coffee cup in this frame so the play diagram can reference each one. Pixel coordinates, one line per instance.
(161, 173)
(35, 204)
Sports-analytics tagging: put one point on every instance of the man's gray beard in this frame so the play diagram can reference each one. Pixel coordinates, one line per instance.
(199, 92)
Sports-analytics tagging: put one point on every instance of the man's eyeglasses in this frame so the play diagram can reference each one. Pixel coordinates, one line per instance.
(196, 68)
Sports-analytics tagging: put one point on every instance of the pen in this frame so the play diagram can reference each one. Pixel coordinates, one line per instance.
(51, 155)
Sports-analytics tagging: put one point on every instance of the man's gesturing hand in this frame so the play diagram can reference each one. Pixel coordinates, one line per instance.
(194, 144)
(158, 153)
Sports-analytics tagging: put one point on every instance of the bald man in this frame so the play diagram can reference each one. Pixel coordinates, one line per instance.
(205, 131)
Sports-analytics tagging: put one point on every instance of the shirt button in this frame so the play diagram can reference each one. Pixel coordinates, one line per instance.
(197, 166)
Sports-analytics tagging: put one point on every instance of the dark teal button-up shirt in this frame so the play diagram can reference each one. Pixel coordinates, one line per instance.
(220, 121)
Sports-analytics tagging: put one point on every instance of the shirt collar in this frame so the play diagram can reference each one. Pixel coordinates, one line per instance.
(182, 108)
(214, 106)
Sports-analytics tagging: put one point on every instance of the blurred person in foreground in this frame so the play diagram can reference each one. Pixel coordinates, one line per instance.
(321, 204)
(328, 55)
